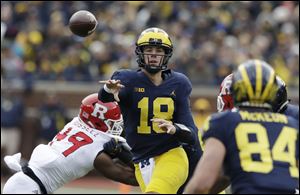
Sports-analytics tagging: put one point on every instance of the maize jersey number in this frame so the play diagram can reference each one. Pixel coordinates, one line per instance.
(143, 104)
(284, 148)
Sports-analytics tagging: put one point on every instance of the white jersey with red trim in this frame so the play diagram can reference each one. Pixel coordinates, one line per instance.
(70, 155)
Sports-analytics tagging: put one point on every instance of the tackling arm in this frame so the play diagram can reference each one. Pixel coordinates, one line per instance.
(115, 171)
(117, 149)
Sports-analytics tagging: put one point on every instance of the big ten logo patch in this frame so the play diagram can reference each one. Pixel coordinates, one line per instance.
(139, 89)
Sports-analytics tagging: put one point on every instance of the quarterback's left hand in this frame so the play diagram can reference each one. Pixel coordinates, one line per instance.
(165, 125)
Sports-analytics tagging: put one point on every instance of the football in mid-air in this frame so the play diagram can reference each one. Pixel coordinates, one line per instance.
(83, 23)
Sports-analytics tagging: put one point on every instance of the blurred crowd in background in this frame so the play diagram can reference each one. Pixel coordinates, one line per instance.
(210, 38)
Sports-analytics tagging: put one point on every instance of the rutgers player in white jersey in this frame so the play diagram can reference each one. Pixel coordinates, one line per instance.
(73, 152)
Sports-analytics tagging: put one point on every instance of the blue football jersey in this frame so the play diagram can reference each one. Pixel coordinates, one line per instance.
(292, 110)
(141, 100)
(262, 149)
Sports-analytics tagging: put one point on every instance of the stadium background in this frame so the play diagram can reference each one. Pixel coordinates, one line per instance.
(46, 71)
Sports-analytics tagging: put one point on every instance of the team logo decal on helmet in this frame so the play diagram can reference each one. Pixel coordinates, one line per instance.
(105, 117)
(99, 109)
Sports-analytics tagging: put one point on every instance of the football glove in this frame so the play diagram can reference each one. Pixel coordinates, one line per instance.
(112, 147)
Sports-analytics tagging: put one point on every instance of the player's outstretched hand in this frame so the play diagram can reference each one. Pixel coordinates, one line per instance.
(113, 86)
(165, 125)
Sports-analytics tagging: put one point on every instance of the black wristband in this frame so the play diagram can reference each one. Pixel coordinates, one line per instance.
(184, 135)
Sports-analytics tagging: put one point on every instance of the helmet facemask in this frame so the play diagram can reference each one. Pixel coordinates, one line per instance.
(225, 99)
(115, 127)
(158, 38)
(220, 104)
(152, 69)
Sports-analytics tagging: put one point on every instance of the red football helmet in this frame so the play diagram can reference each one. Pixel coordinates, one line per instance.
(225, 100)
(105, 117)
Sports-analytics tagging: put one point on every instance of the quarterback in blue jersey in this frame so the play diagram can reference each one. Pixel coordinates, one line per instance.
(258, 148)
(157, 118)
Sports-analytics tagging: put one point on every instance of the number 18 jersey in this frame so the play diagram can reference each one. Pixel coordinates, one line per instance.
(142, 101)
(262, 149)
(70, 155)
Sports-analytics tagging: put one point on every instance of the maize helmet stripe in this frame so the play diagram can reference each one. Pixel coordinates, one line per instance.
(156, 35)
(269, 85)
(254, 76)
(246, 81)
(258, 85)
(145, 39)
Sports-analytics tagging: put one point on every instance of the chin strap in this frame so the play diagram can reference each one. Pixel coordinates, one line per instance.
(152, 70)
(282, 106)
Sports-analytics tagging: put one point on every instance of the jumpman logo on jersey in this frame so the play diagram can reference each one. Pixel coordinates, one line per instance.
(172, 94)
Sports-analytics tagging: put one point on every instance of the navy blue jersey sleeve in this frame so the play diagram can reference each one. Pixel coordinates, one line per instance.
(184, 134)
(107, 97)
(124, 76)
(183, 113)
(292, 110)
(214, 127)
